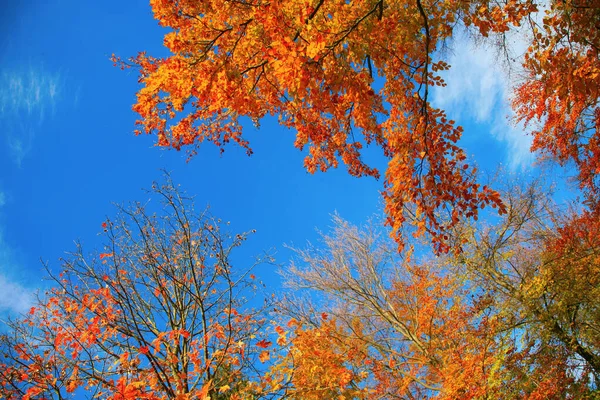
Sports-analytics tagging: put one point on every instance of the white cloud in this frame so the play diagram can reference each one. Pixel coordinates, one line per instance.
(15, 297)
(479, 87)
(19, 140)
(27, 98)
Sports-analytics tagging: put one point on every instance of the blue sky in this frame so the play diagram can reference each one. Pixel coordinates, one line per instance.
(67, 149)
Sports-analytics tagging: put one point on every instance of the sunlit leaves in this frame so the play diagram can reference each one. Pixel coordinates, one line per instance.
(341, 75)
(512, 316)
(559, 97)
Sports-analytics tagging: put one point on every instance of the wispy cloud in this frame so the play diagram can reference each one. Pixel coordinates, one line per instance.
(479, 88)
(27, 98)
(15, 298)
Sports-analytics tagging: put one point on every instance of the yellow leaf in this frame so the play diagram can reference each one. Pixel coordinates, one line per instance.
(224, 388)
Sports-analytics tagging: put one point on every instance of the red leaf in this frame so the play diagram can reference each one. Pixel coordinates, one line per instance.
(263, 344)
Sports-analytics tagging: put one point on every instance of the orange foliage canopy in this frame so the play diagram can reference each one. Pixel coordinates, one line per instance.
(562, 90)
(161, 314)
(514, 316)
(315, 65)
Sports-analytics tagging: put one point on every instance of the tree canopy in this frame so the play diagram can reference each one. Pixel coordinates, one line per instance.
(513, 316)
(345, 74)
(469, 308)
(161, 312)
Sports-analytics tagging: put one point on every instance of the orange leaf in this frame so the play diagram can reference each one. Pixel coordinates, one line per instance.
(263, 344)
(264, 356)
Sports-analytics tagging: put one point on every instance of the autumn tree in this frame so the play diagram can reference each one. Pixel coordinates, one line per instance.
(348, 74)
(559, 97)
(342, 75)
(395, 328)
(513, 316)
(540, 264)
(160, 313)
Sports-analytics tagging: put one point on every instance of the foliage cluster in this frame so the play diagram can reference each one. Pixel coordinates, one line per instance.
(504, 308)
